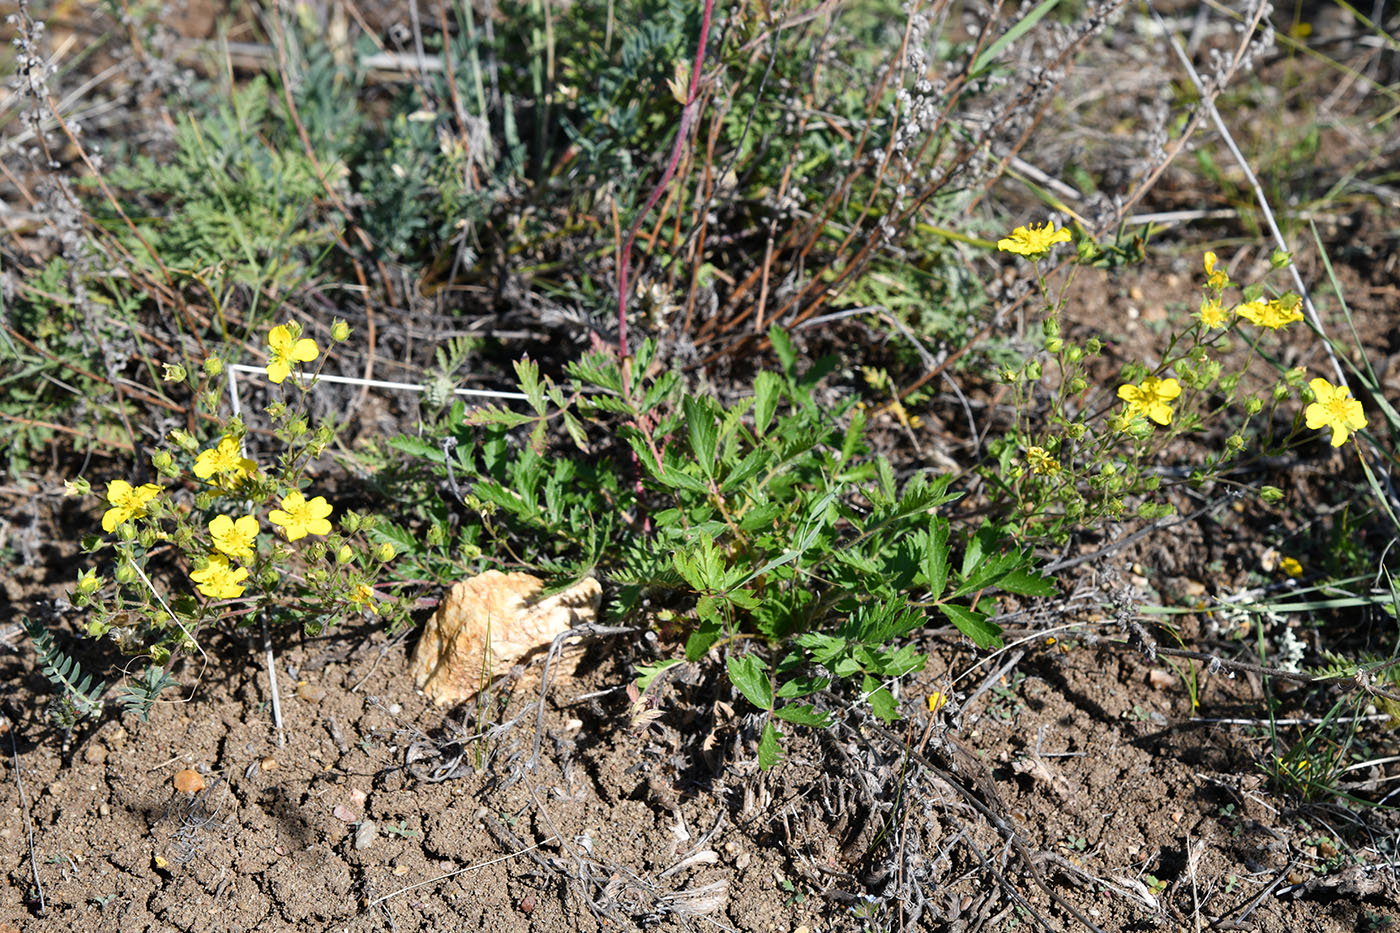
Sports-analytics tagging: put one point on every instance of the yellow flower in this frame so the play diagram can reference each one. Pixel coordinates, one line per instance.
(1032, 240)
(234, 537)
(220, 580)
(1041, 462)
(936, 701)
(301, 517)
(363, 596)
(1213, 314)
(1216, 279)
(287, 351)
(1290, 566)
(223, 459)
(1334, 408)
(1151, 398)
(1270, 314)
(127, 502)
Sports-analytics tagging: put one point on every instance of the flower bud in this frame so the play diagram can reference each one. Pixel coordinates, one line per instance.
(183, 440)
(385, 552)
(1077, 385)
(125, 573)
(147, 537)
(297, 427)
(316, 551)
(1075, 353)
(89, 583)
(470, 551)
(213, 366)
(1054, 344)
(340, 331)
(173, 372)
(1280, 392)
(1234, 443)
(436, 537)
(1280, 258)
(344, 555)
(1033, 370)
(268, 578)
(1093, 345)
(1151, 483)
(96, 628)
(76, 487)
(350, 522)
(1076, 431)
(126, 531)
(163, 462)
(1050, 327)
(1271, 494)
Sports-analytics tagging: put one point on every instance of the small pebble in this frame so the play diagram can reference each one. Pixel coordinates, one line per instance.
(742, 861)
(268, 764)
(94, 754)
(395, 709)
(365, 835)
(311, 693)
(343, 813)
(104, 810)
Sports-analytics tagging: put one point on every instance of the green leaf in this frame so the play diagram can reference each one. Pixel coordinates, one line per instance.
(801, 686)
(983, 62)
(701, 640)
(887, 487)
(747, 469)
(767, 387)
(975, 625)
(703, 432)
(882, 702)
(491, 414)
(804, 715)
(1025, 582)
(387, 532)
(984, 542)
(823, 648)
(855, 432)
(646, 673)
(747, 674)
(770, 749)
(935, 557)
(988, 572)
(528, 372)
(417, 447)
(782, 345)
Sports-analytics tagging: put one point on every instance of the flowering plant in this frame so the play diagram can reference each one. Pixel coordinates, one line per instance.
(1089, 456)
(230, 536)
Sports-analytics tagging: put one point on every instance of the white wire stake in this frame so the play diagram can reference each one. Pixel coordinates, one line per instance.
(272, 685)
(237, 408)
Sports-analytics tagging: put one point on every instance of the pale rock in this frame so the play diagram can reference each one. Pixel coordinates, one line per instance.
(486, 624)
